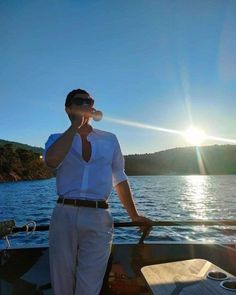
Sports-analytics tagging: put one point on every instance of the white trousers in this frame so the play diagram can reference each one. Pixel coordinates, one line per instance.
(80, 241)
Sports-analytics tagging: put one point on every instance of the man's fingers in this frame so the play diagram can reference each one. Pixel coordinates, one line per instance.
(82, 121)
(77, 119)
(145, 229)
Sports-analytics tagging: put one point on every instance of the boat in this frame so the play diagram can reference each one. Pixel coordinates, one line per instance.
(26, 270)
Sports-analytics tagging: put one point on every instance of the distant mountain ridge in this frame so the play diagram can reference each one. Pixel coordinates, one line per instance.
(215, 159)
(21, 162)
(27, 147)
(206, 160)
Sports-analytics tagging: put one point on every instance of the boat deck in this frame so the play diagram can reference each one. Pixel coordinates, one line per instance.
(26, 271)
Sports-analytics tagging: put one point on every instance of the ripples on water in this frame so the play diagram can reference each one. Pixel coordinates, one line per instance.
(157, 197)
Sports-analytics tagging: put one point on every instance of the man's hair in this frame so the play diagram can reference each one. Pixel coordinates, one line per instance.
(72, 94)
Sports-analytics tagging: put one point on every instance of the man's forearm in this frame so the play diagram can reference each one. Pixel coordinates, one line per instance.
(59, 149)
(124, 193)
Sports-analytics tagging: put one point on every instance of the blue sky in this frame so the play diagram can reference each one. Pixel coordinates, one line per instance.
(165, 63)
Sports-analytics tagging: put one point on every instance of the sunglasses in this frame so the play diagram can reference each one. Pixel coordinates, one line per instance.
(82, 101)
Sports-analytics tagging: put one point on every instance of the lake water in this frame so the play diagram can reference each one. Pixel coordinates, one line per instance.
(158, 197)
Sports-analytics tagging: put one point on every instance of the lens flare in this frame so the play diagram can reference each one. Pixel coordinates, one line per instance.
(141, 125)
(195, 136)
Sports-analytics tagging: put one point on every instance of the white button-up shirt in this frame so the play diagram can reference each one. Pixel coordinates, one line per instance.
(92, 180)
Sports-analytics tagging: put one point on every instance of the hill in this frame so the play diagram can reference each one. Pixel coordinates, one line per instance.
(216, 159)
(22, 162)
(17, 163)
(27, 147)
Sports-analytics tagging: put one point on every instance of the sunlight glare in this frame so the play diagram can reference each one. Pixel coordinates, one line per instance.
(195, 136)
(197, 196)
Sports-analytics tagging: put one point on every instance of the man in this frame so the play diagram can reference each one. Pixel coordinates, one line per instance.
(88, 162)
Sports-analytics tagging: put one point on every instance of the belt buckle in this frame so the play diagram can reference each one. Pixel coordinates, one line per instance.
(63, 201)
(96, 202)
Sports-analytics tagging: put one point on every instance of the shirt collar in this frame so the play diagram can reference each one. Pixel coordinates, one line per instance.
(93, 133)
(96, 131)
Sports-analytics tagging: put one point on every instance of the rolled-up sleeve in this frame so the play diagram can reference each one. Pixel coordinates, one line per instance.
(118, 165)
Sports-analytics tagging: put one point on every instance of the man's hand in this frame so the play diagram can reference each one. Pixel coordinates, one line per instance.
(77, 117)
(124, 193)
(143, 219)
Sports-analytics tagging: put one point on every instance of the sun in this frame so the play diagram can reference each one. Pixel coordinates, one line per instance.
(195, 136)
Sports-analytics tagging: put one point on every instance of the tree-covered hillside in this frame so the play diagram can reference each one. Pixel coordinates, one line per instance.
(21, 164)
(217, 159)
(18, 163)
(14, 144)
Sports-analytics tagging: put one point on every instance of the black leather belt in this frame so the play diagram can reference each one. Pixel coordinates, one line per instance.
(83, 203)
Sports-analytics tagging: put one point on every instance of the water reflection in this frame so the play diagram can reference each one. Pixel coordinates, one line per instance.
(197, 202)
(196, 196)
(158, 197)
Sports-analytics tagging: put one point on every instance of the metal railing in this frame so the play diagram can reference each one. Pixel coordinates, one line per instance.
(8, 227)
